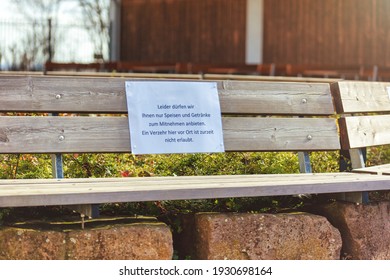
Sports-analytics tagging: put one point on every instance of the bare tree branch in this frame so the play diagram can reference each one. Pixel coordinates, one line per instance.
(34, 10)
(96, 19)
(32, 50)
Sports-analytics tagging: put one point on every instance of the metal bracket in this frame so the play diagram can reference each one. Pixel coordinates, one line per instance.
(357, 158)
(88, 210)
(304, 162)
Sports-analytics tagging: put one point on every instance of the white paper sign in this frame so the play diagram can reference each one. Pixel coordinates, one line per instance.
(174, 117)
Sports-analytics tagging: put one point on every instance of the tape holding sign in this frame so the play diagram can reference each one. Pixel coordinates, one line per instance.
(174, 117)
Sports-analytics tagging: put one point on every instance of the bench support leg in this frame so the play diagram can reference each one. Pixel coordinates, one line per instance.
(57, 167)
(357, 158)
(304, 162)
(89, 210)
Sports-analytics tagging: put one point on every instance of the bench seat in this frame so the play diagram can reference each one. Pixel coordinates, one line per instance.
(378, 169)
(38, 192)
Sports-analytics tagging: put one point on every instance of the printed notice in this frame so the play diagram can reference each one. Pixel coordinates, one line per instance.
(174, 117)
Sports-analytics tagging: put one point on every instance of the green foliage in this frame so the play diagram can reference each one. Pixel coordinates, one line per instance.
(323, 162)
(227, 163)
(25, 166)
(378, 155)
(128, 165)
(107, 165)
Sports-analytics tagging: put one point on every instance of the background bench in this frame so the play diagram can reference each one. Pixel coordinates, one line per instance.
(257, 116)
(365, 121)
(351, 72)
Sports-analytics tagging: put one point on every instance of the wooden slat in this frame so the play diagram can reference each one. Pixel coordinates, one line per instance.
(111, 134)
(168, 76)
(56, 94)
(105, 75)
(262, 78)
(63, 134)
(33, 183)
(22, 73)
(379, 169)
(107, 95)
(280, 134)
(364, 131)
(24, 193)
(127, 75)
(275, 98)
(360, 97)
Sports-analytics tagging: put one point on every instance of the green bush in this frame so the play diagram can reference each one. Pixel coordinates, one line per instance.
(378, 155)
(25, 166)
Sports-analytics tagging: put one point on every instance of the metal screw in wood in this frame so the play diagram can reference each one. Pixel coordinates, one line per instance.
(82, 221)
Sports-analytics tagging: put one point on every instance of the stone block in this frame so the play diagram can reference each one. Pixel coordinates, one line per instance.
(101, 240)
(365, 229)
(299, 236)
(29, 244)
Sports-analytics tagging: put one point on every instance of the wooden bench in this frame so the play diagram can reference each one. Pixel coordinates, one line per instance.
(114, 66)
(365, 121)
(352, 72)
(257, 116)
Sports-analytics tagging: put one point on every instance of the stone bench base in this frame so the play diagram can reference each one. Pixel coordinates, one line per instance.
(365, 229)
(263, 236)
(352, 232)
(100, 240)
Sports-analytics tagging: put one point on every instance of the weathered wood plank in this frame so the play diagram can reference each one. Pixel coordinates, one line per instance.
(167, 76)
(360, 97)
(378, 169)
(59, 94)
(64, 134)
(275, 98)
(175, 188)
(236, 77)
(280, 134)
(111, 134)
(364, 131)
(167, 180)
(107, 95)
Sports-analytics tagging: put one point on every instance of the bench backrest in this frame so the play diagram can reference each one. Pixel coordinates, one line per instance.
(257, 116)
(365, 109)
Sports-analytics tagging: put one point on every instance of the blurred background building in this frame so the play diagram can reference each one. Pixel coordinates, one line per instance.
(297, 32)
